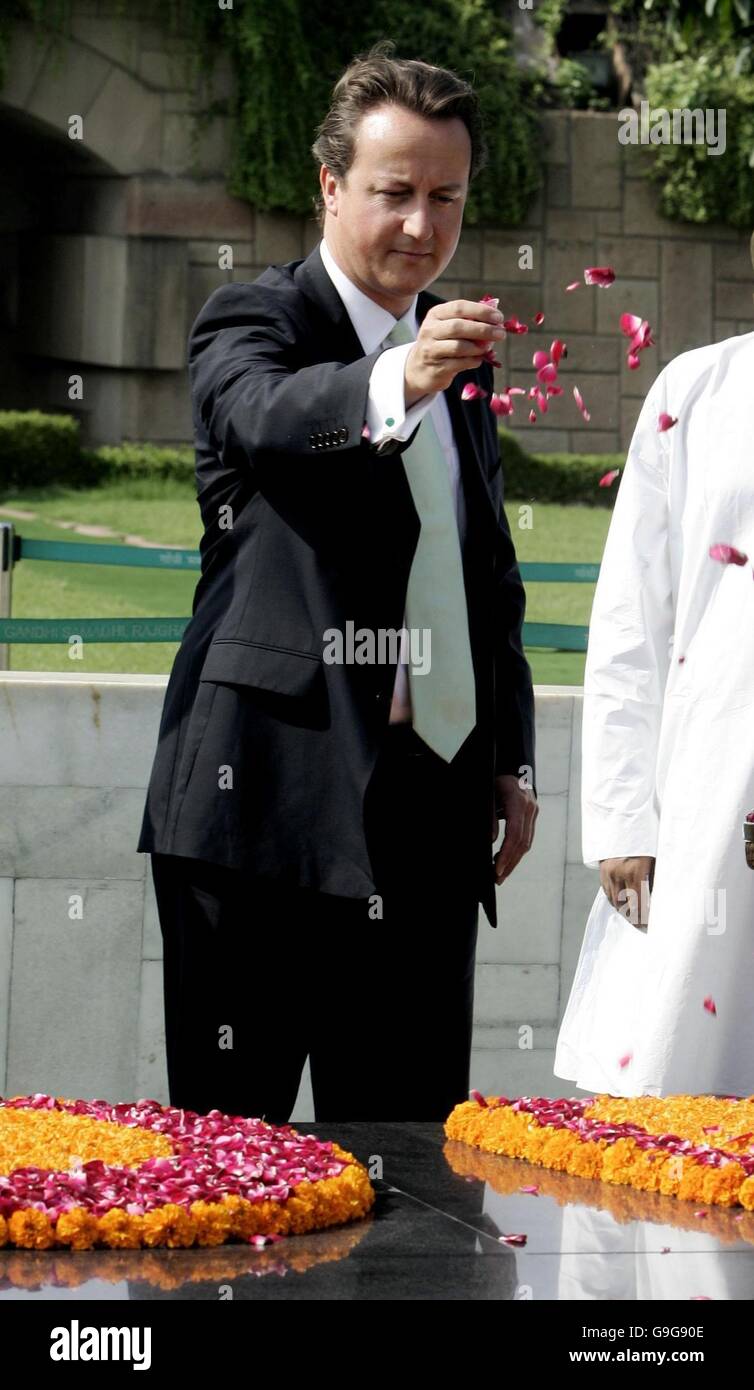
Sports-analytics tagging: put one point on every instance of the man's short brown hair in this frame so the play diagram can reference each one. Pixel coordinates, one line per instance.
(373, 78)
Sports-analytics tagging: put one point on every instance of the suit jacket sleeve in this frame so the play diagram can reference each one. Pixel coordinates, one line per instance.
(253, 392)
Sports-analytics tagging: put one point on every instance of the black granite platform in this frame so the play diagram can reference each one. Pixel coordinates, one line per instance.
(434, 1233)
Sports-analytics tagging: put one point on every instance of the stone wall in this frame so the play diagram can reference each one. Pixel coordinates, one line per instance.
(107, 265)
(81, 992)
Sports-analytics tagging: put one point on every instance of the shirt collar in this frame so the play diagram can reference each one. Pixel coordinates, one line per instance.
(371, 322)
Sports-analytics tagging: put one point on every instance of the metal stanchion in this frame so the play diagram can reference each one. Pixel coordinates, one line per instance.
(6, 582)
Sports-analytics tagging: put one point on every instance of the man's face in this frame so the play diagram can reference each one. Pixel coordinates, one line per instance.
(394, 222)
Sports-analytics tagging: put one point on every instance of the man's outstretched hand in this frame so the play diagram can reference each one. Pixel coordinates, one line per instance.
(518, 807)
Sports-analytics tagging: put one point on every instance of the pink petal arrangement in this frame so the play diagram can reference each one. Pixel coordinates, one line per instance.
(215, 1155)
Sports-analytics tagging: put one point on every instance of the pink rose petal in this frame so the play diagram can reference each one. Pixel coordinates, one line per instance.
(472, 392)
(608, 478)
(602, 275)
(630, 324)
(548, 373)
(709, 1005)
(577, 396)
(665, 421)
(727, 554)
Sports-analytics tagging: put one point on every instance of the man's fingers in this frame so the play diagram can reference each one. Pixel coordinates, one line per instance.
(628, 896)
(519, 836)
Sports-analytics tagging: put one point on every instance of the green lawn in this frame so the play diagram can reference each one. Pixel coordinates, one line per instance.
(165, 511)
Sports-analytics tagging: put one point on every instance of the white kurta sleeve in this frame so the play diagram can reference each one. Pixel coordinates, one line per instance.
(628, 653)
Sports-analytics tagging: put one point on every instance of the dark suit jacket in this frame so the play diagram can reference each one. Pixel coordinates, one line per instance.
(307, 526)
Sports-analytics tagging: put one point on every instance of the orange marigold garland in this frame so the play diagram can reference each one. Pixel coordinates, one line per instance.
(699, 1148)
(77, 1174)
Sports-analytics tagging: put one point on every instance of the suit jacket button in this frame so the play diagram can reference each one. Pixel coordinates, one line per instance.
(342, 435)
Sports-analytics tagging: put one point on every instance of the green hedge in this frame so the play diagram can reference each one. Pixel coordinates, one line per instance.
(38, 450)
(557, 477)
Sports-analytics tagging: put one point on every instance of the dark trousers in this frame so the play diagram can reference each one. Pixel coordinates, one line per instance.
(258, 975)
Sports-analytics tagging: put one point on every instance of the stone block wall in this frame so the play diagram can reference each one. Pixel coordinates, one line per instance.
(106, 273)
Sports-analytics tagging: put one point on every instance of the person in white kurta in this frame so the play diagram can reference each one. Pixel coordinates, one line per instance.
(668, 749)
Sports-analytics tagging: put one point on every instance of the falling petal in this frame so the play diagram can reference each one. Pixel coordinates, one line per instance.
(490, 357)
(608, 478)
(532, 392)
(642, 337)
(555, 390)
(548, 373)
(532, 417)
(633, 360)
(512, 1240)
(577, 396)
(624, 1061)
(489, 299)
(542, 403)
(630, 324)
(501, 404)
(539, 318)
(472, 392)
(531, 1191)
(665, 421)
(602, 275)
(709, 1005)
(540, 358)
(574, 285)
(515, 326)
(727, 554)
(366, 433)
(557, 350)
(516, 391)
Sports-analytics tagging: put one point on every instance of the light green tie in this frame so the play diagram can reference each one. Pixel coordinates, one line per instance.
(443, 698)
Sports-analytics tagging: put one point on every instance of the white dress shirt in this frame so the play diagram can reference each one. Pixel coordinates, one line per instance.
(386, 401)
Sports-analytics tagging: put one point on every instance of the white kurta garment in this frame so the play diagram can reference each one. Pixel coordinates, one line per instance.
(668, 748)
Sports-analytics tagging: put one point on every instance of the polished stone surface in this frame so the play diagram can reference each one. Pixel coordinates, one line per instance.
(434, 1233)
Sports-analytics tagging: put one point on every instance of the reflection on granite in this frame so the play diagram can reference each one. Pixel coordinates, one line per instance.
(434, 1233)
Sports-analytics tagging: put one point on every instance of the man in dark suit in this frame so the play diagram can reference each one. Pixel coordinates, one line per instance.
(319, 812)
